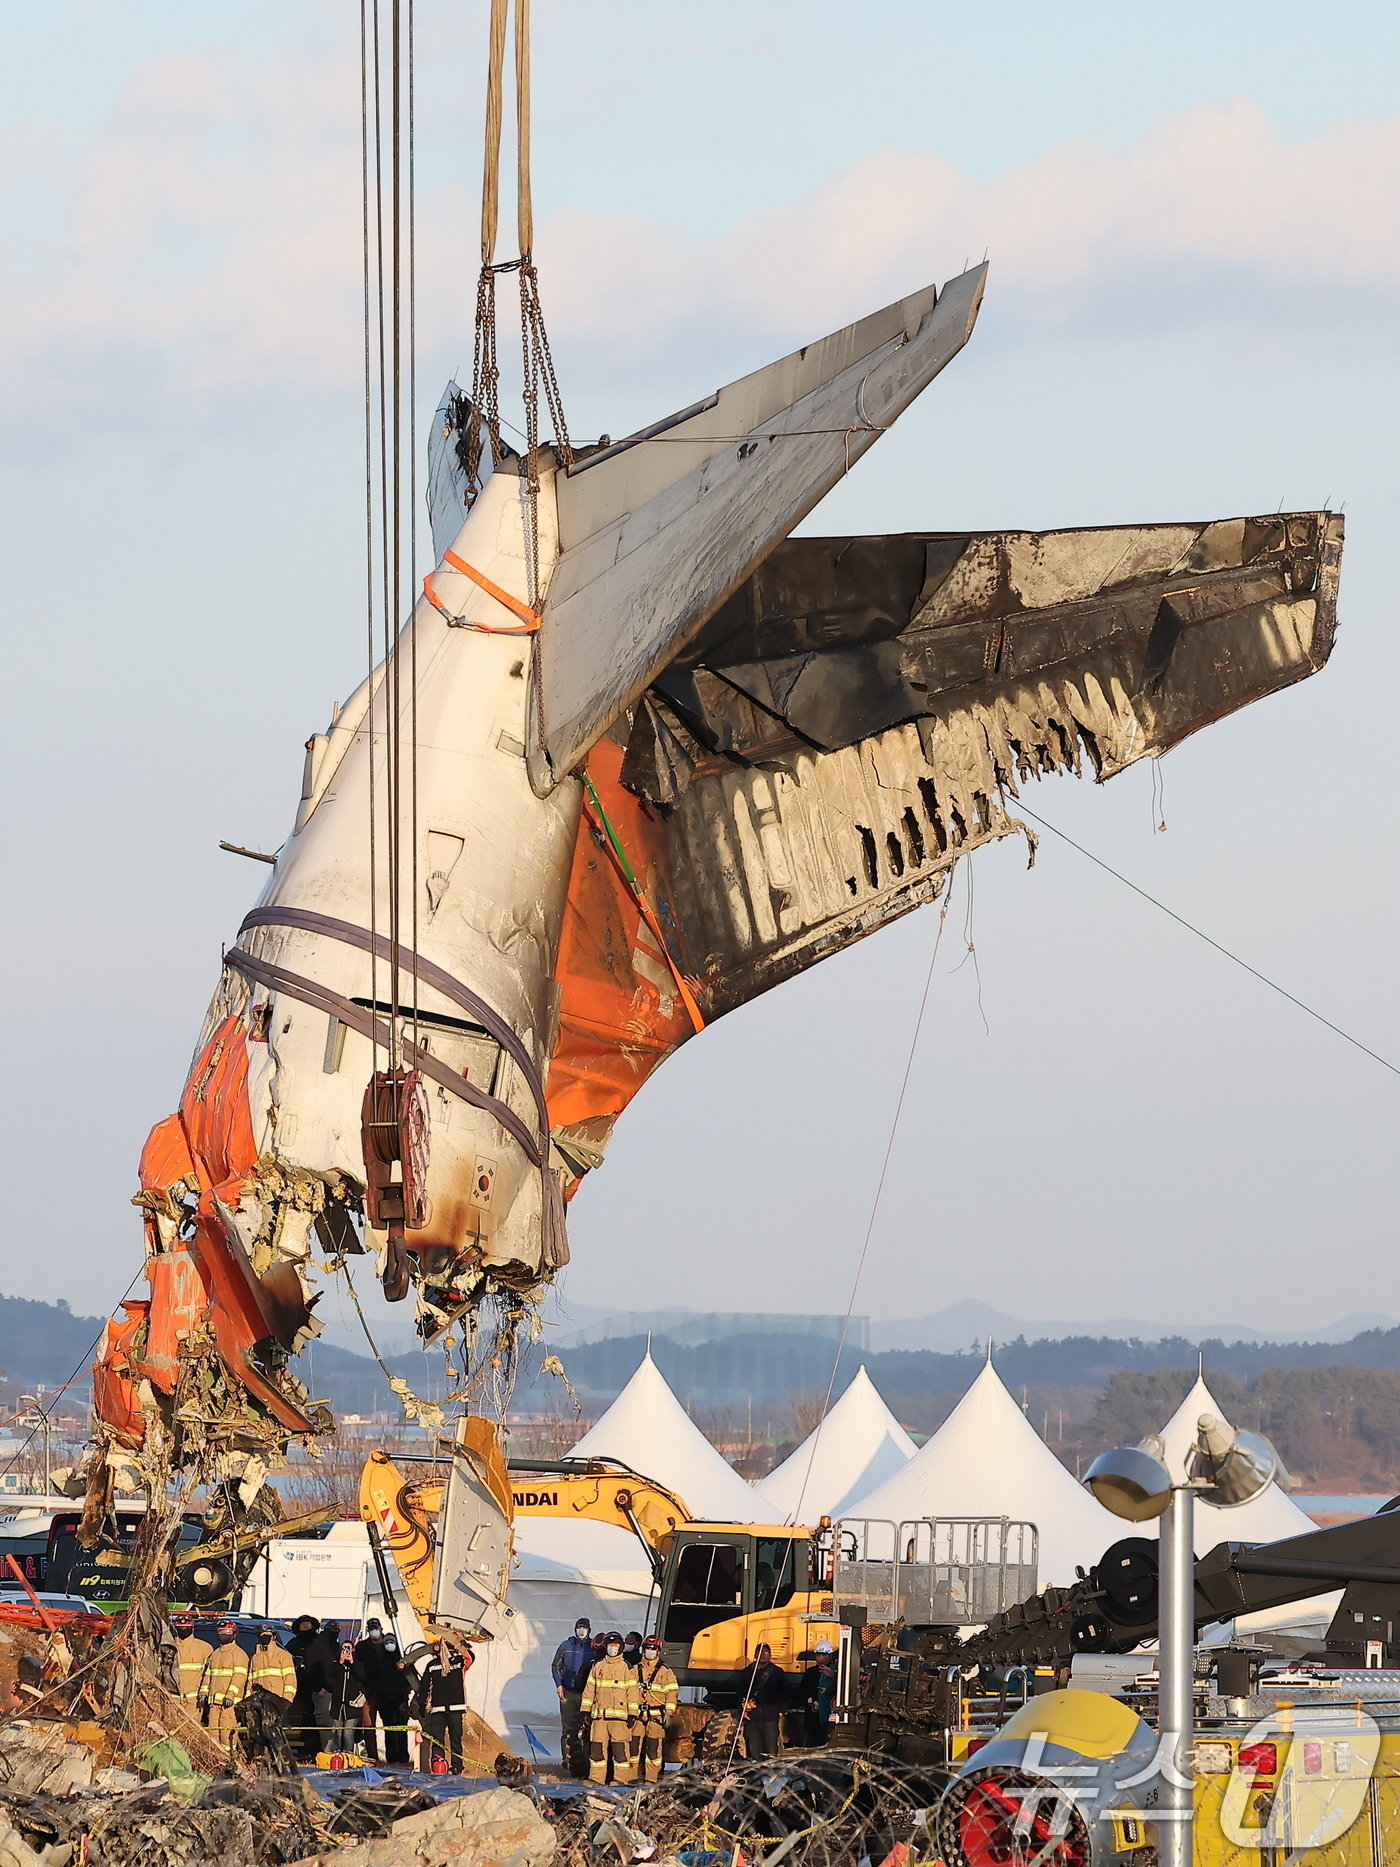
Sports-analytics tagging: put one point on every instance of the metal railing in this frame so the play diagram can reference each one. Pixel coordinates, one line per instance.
(940, 1571)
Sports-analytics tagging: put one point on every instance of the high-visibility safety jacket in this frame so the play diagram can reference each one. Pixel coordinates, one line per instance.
(611, 1691)
(658, 1691)
(225, 1678)
(191, 1653)
(273, 1668)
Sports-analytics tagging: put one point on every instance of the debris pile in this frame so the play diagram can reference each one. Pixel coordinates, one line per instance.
(499, 1827)
(57, 1808)
(822, 1810)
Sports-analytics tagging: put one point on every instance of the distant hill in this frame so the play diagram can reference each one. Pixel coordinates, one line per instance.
(963, 1325)
(45, 1343)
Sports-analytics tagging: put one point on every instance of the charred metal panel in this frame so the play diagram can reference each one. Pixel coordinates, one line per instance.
(818, 763)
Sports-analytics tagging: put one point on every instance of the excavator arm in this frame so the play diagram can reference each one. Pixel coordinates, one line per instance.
(445, 1534)
(604, 1491)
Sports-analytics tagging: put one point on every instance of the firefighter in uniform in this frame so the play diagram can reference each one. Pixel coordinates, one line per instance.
(273, 1668)
(610, 1705)
(190, 1654)
(223, 1686)
(658, 1694)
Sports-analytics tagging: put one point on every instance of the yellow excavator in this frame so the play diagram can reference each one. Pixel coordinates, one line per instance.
(723, 1589)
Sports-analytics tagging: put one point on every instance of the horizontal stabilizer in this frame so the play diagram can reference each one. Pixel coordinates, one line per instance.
(658, 530)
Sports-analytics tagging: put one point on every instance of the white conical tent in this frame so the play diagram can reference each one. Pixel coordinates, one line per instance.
(1270, 1516)
(987, 1460)
(857, 1446)
(648, 1429)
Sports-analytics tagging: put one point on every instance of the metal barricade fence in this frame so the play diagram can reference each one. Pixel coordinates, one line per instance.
(943, 1571)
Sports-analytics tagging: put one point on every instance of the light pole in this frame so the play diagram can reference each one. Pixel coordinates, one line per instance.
(1226, 1469)
(33, 1402)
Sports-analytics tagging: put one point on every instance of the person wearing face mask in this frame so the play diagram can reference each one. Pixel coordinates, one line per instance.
(395, 1690)
(272, 1667)
(368, 1668)
(573, 1659)
(658, 1694)
(190, 1655)
(632, 1648)
(224, 1686)
(610, 1704)
(315, 1659)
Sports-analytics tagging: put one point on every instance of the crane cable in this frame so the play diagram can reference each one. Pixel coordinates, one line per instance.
(389, 290)
(538, 374)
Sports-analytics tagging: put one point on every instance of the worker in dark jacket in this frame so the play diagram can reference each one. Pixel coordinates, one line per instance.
(442, 1699)
(395, 1692)
(820, 1692)
(765, 1700)
(316, 1661)
(346, 1696)
(367, 1666)
(570, 1667)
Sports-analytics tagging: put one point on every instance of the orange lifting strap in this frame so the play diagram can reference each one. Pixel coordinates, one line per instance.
(529, 618)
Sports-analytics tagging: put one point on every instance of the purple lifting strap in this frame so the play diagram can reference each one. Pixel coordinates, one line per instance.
(358, 1018)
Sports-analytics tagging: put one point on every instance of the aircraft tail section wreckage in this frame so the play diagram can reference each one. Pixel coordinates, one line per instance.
(637, 756)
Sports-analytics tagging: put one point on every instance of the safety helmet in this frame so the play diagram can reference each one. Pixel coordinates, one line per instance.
(652, 1643)
(185, 1622)
(823, 1646)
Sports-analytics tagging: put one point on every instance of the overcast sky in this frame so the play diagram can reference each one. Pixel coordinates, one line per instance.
(1193, 222)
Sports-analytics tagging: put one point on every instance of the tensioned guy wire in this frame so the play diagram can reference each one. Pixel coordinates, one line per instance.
(1200, 934)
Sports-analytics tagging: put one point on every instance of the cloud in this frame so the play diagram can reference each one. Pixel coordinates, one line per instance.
(198, 252)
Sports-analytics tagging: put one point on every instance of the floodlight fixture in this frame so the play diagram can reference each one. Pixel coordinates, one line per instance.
(1131, 1483)
(1225, 1468)
(1228, 1469)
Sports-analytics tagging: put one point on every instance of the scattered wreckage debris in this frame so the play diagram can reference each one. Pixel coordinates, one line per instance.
(815, 1809)
(494, 1826)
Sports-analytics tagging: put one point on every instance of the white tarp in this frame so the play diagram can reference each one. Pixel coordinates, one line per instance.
(987, 1460)
(856, 1447)
(563, 1569)
(648, 1429)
